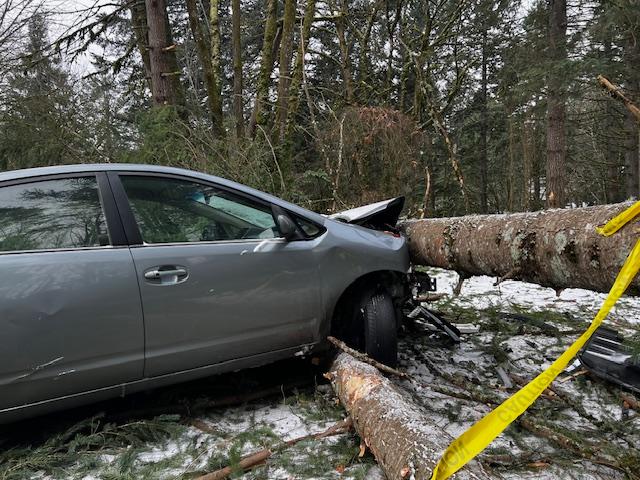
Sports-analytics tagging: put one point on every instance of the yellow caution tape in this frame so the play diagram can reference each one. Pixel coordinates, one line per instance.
(482, 433)
(620, 221)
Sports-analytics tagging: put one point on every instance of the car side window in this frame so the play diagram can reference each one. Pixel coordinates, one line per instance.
(170, 210)
(52, 214)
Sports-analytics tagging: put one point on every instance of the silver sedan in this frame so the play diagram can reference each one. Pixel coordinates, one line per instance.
(119, 278)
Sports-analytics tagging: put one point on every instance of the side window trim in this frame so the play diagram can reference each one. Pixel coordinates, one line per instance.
(114, 222)
(131, 228)
(129, 224)
(106, 199)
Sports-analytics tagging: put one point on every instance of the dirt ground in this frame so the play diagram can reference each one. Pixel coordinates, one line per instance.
(582, 429)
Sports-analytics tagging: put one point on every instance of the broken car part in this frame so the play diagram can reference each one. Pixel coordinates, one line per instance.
(607, 357)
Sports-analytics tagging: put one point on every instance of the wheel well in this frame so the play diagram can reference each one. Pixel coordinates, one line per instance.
(344, 313)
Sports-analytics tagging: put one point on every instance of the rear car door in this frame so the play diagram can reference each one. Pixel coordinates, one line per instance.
(217, 282)
(70, 313)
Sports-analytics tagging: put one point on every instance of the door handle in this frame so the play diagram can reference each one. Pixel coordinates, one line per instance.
(166, 275)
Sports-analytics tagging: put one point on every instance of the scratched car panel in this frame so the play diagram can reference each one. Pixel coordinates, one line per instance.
(118, 278)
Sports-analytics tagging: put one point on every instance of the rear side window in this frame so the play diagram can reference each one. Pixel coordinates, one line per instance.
(169, 210)
(52, 214)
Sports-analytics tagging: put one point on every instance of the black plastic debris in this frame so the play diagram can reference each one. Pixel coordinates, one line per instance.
(424, 314)
(606, 356)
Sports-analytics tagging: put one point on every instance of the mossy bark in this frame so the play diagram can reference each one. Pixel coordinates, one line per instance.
(554, 248)
(284, 76)
(266, 65)
(215, 63)
(296, 78)
(204, 56)
(238, 109)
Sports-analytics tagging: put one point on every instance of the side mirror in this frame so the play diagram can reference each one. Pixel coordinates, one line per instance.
(287, 228)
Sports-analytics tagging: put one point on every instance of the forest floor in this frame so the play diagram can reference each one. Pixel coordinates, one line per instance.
(583, 429)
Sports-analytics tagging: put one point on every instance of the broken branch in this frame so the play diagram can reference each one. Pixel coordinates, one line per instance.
(366, 359)
(258, 458)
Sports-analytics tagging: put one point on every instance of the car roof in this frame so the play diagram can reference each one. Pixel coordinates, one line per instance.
(144, 168)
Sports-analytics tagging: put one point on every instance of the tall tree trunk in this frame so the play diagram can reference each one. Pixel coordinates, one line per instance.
(556, 248)
(484, 161)
(345, 60)
(214, 34)
(556, 135)
(612, 191)
(511, 167)
(204, 56)
(162, 56)
(266, 65)
(284, 77)
(392, 25)
(527, 162)
(296, 80)
(631, 157)
(140, 31)
(238, 110)
(632, 121)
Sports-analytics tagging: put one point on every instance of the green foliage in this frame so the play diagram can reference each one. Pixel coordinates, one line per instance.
(83, 444)
(409, 63)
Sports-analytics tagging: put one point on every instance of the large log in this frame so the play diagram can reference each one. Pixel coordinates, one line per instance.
(555, 248)
(405, 442)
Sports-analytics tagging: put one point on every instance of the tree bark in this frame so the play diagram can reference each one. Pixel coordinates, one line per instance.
(554, 248)
(527, 163)
(404, 441)
(164, 76)
(345, 61)
(141, 34)
(238, 109)
(284, 76)
(296, 80)
(266, 65)
(214, 35)
(484, 161)
(204, 56)
(556, 137)
(631, 157)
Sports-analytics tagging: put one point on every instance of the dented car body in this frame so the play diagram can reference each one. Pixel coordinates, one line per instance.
(119, 278)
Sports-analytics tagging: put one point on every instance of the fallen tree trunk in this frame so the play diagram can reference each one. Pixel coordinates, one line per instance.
(404, 441)
(554, 248)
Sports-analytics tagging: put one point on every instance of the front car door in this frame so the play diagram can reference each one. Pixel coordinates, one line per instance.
(70, 313)
(217, 281)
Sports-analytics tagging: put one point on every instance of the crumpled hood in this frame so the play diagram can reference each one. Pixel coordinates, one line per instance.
(378, 216)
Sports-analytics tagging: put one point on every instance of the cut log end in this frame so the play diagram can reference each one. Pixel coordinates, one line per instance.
(405, 442)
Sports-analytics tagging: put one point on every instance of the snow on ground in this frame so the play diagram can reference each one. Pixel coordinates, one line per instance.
(523, 328)
(580, 430)
(482, 293)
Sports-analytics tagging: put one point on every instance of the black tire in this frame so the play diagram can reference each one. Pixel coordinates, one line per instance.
(380, 328)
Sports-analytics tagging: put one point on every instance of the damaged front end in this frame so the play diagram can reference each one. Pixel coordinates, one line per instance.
(381, 216)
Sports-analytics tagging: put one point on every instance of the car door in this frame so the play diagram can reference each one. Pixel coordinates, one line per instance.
(70, 313)
(217, 282)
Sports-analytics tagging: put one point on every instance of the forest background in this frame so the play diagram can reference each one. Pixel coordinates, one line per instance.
(462, 106)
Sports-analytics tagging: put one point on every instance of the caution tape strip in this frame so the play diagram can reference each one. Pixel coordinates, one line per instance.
(482, 433)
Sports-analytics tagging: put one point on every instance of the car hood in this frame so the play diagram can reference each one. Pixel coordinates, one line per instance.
(378, 216)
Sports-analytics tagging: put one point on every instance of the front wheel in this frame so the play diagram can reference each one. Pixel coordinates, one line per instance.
(380, 328)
